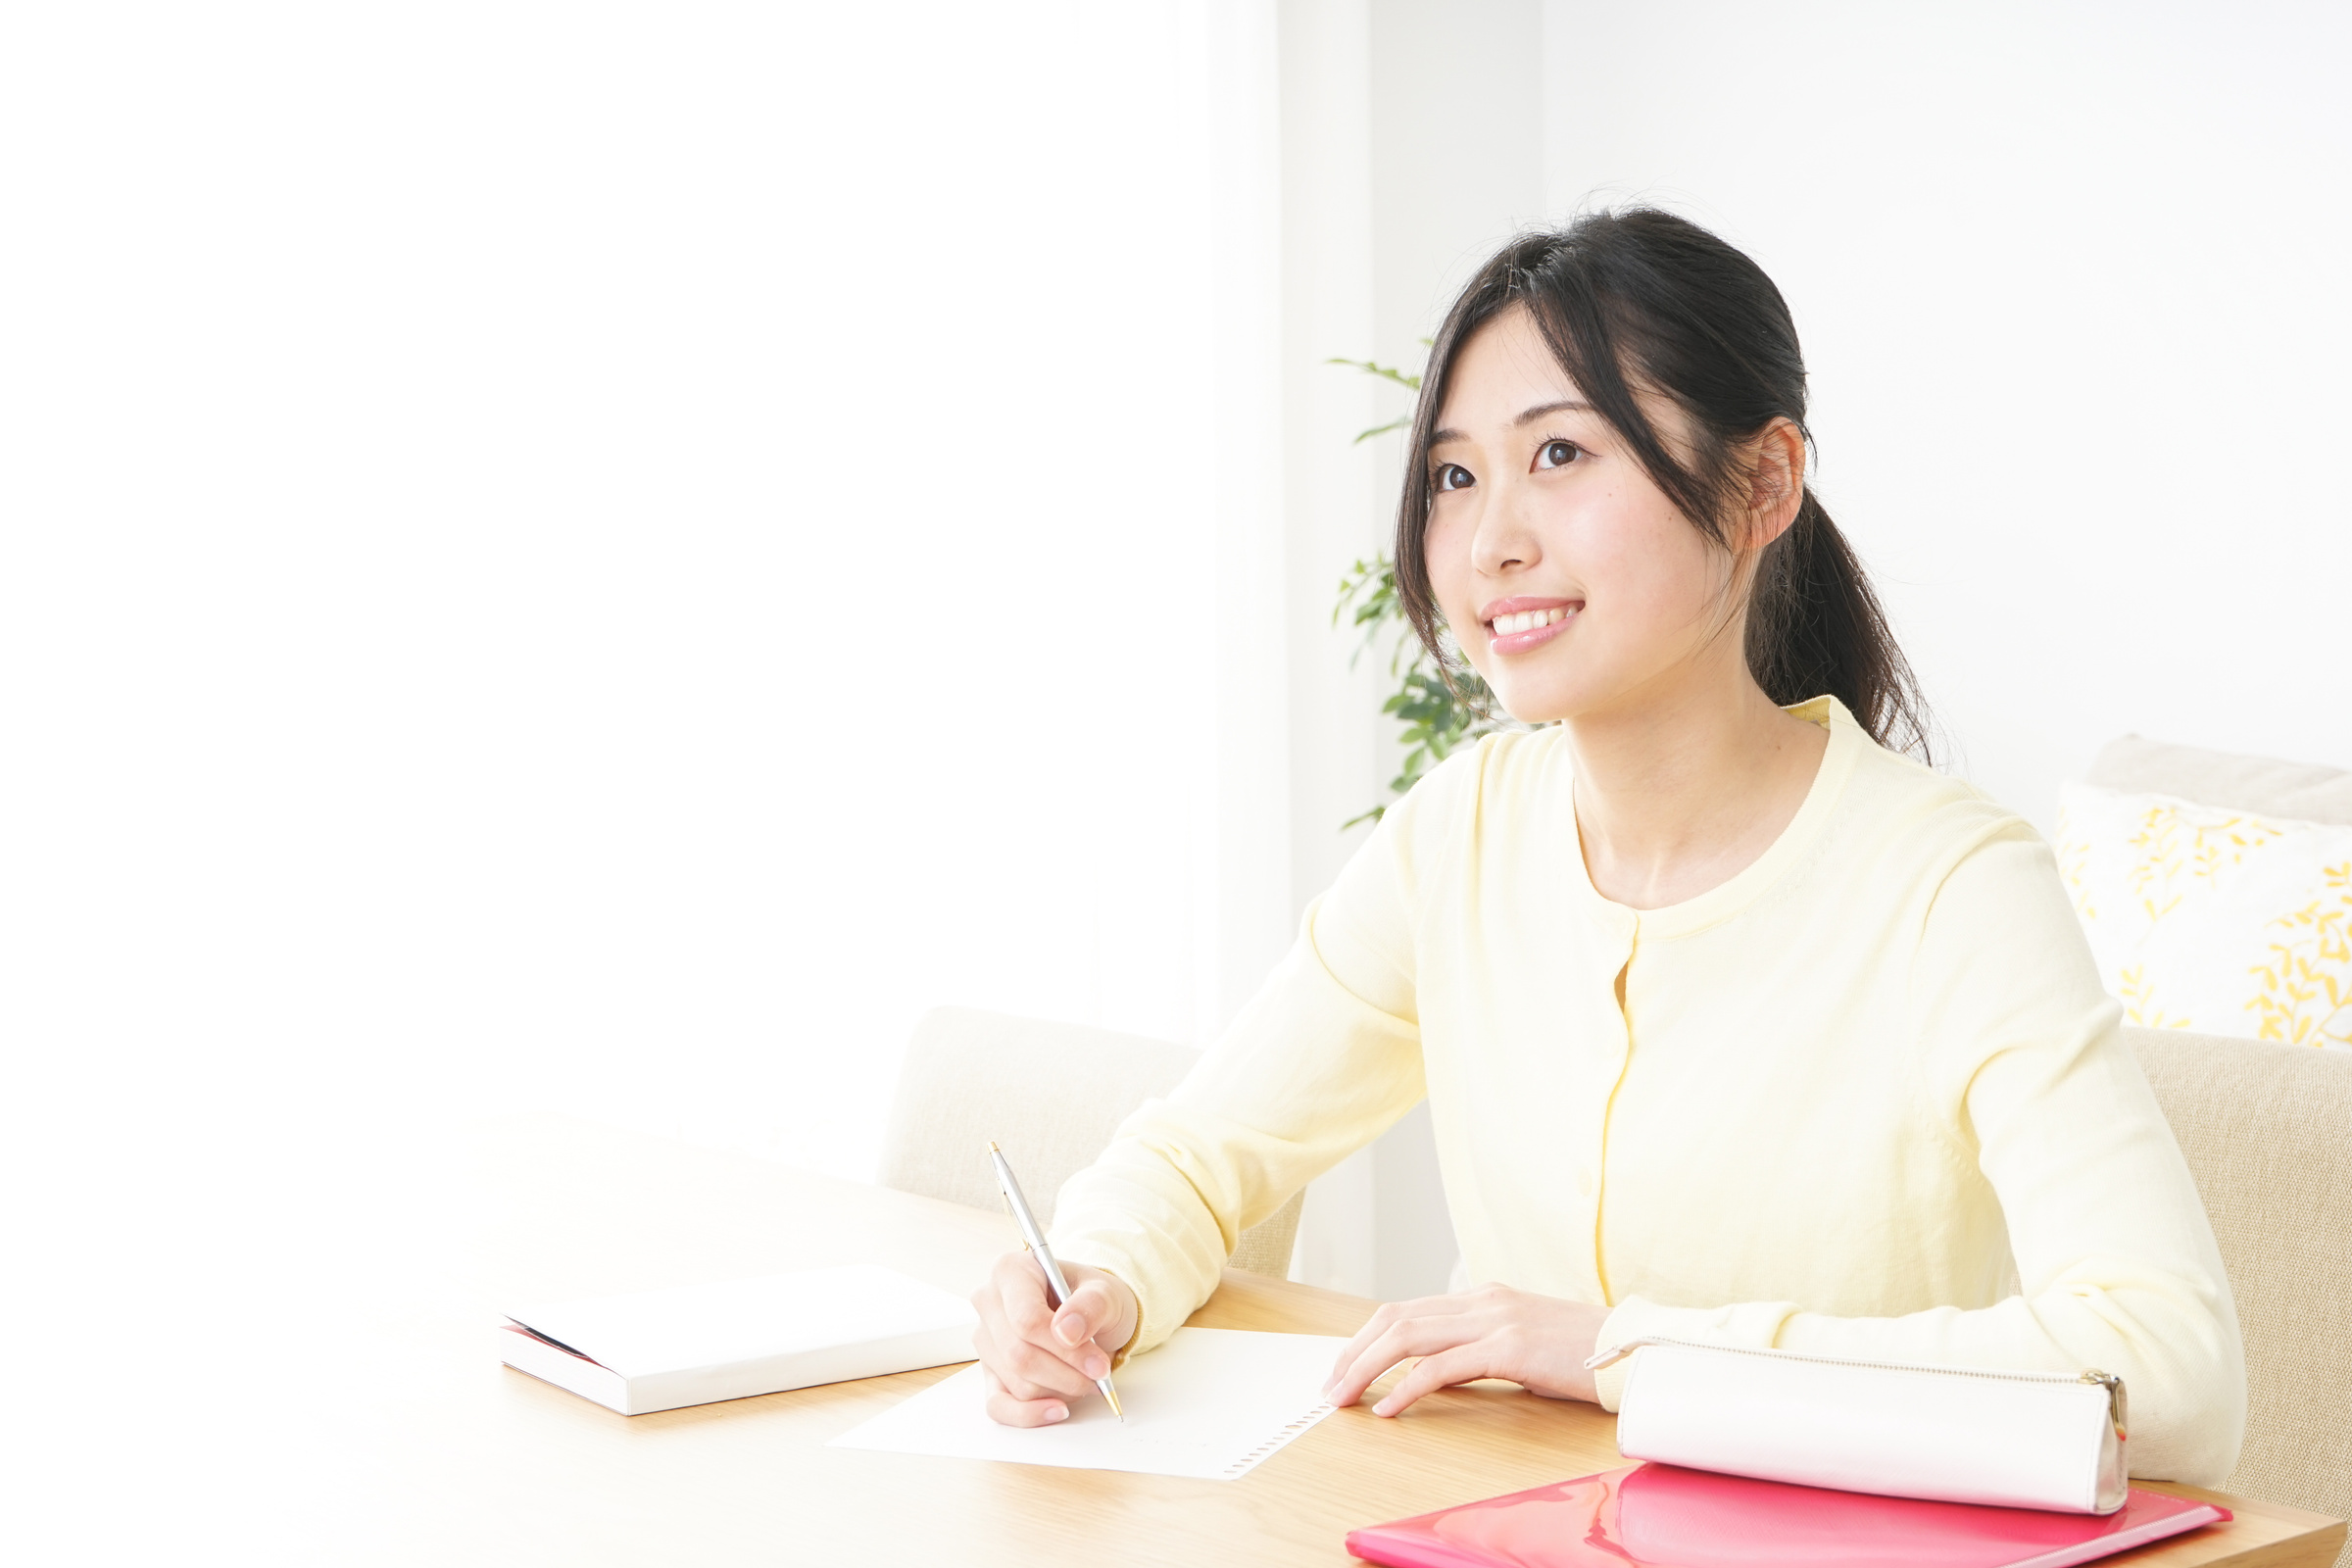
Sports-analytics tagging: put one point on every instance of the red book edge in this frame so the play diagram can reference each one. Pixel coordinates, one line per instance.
(1375, 1545)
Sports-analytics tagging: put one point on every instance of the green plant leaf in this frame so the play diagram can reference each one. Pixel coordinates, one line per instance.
(1386, 372)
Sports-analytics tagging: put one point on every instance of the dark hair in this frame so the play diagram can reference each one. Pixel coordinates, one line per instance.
(1644, 298)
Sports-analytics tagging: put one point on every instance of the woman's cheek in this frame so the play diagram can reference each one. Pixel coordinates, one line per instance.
(1479, 660)
(1447, 572)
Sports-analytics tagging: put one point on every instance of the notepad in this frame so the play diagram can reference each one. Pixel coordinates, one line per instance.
(1214, 1403)
(699, 1344)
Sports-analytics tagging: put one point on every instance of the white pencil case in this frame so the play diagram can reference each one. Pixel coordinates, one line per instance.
(2017, 1439)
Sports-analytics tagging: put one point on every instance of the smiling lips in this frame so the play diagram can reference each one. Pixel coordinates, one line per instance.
(1519, 624)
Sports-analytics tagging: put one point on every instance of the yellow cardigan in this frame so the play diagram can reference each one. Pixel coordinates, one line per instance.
(1866, 1099)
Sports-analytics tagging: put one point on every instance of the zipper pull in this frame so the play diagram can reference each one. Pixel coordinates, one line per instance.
(1618, 1353)
(2116, 1408)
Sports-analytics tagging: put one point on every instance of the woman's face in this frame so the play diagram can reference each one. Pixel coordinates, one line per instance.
(1574, 586)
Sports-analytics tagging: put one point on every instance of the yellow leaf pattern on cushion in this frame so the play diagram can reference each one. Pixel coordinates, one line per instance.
(2174, 853)
(2073, 863)
(2207, 918)
(2306, 995)
(2139, 1002)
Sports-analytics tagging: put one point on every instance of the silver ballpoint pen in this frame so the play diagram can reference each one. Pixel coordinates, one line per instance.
(1035, 1240)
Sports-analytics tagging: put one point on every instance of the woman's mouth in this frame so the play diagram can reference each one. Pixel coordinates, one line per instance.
(1521, 626)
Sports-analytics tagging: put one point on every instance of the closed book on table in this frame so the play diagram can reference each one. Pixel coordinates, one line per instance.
(1661, 1516)
(697, 1344)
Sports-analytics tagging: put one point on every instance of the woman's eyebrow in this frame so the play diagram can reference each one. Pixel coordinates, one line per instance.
(1437, 438)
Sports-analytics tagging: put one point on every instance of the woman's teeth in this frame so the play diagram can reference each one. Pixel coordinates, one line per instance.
(1529, 620)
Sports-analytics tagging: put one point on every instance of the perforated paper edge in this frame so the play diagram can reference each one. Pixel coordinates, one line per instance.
(1275, 1444)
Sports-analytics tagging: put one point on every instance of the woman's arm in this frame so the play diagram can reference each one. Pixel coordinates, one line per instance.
(2116, 1259)
(1321, 1061)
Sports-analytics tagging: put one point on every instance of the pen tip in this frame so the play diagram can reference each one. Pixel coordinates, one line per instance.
(992, 1147)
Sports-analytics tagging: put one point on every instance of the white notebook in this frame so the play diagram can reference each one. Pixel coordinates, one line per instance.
(696, 1343)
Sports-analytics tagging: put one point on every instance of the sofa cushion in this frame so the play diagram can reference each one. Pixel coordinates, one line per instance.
(2262, 785)
(2212, 918)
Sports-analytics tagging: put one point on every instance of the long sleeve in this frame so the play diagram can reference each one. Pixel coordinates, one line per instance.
(1323, 1060)
(2116, 1268)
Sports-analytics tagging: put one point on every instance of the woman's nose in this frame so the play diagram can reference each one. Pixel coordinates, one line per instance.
(1503, 543)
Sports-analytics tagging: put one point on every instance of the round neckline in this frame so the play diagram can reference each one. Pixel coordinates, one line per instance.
(1736, 892)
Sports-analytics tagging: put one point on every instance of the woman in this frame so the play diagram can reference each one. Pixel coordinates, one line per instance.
(1734, 1023)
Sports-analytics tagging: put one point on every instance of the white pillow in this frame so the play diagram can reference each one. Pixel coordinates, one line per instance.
(2206, 918)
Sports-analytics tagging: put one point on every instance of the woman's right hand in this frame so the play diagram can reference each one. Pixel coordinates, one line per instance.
(1036, 1359)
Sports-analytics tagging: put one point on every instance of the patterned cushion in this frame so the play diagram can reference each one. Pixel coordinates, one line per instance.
(2213, 918)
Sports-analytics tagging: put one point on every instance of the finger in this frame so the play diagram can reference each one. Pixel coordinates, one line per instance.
(1374, 1327)
(1027, 1315)
(1389, 1316)
(1091, 1310)
(1028, 1370)
(1021, 1295)
(996, 1308)
(1018, 1390)
(1421, 1336)
(1005, 1409)
(1036, 1372)
(1402, 1340)
(1463, 1363)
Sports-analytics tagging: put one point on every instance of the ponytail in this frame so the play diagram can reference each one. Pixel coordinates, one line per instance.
(1815, 626)
(1644, 299)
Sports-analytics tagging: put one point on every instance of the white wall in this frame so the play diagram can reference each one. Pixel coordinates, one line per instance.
(611, 556)
(1332, 498)
(2070, 279)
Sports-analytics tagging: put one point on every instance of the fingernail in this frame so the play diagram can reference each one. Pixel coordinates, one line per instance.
(1096, 1366)
(1069, 1328)
(1059, 1413)
(1382, 1408)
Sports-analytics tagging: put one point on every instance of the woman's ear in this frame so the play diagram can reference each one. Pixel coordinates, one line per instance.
(1776, 483)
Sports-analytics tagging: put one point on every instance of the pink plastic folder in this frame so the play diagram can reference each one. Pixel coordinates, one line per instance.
(1659, 1516)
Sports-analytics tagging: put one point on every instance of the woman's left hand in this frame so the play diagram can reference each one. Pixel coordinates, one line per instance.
(1491, 1332)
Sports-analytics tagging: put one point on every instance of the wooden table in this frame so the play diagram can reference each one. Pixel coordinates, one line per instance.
(415, 1445)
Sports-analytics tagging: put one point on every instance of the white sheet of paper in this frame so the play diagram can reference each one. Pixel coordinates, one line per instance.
(1209, 1403)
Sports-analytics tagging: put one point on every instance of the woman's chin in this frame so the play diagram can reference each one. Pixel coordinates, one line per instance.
(1533, 707)
(1531, 694)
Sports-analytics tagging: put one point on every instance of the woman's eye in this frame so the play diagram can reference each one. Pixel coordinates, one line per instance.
(1453, 476)
(1557, 453)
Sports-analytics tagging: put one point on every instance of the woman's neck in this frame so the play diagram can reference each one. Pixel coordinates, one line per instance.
(1686, 790)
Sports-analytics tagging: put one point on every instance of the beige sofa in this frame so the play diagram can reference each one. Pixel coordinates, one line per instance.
(2267, 1132)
